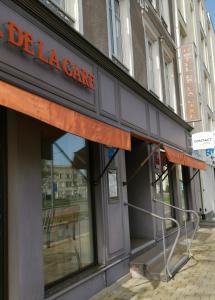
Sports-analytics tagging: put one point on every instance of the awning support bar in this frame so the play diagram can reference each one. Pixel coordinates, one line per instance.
(106, 167)
(142, 164)
(193, 176)
(173, 166)
(160, 177)
(154, 182)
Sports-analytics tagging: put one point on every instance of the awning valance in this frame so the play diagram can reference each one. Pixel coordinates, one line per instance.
(181, 158)
(62, 117)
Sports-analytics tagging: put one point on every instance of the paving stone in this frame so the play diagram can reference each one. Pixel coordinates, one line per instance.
(196, 280)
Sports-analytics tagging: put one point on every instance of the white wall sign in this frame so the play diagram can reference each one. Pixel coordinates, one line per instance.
(203, 140)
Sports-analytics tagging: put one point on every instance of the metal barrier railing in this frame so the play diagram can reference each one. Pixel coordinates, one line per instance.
(167, 259)
(185, 211)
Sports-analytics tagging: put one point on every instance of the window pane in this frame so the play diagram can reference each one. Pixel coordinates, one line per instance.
(115, 29)
(60, 3)
(167, 84)
(151, 66)
(67, 220)
(118, 39)
(183, 199)
(168, 211)
(111, 27)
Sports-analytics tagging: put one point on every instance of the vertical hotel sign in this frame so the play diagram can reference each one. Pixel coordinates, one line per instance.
(189, 83)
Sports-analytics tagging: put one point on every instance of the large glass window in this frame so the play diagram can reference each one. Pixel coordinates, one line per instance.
(67, 217)
(182, 190)
(169, 212)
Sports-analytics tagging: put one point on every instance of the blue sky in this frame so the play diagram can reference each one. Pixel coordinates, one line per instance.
(210, 4)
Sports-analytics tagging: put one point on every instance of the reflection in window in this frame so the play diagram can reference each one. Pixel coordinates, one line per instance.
(67, 220)
(168, 211)
(115, 29)
(183, 198)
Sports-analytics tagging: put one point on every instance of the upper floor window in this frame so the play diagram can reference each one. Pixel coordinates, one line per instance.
(153, 63)
(169, 80)
(202, 15)
(115, 29)
(120, 39)
(208, 94)
(182, 8)
(68, 10)
(151, 72)
(165, 13)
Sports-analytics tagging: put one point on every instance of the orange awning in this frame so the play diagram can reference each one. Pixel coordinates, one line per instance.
(180, 158)
(62, 117)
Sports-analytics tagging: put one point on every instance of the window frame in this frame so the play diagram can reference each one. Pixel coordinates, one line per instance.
(169, 175)
(59, 284)
(152, 35)
(71, 14)
(184, 177)
(151, 71)
(165, 14)
(170, 85)
(113, 30)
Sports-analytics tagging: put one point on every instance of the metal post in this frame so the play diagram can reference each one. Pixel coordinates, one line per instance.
(185, 224)
(168, 259)
(164, 250)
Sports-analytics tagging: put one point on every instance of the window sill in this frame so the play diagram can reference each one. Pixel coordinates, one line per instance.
(170, 107)
(120, 64)
(154, 94)
(164, 23)
(68, 284)
(210, 108)
(59, 12)
(73, 282)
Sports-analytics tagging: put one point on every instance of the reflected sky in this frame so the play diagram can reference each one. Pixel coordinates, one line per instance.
(70, 144)
(210, 6)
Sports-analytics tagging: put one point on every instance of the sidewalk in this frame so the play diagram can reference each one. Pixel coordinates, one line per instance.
(195, 281)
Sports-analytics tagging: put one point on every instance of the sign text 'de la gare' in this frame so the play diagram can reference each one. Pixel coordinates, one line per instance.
(24, 40)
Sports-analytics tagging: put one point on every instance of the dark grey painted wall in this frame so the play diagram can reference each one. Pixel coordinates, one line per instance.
(25, 233)
(24, 209)
(111, 102)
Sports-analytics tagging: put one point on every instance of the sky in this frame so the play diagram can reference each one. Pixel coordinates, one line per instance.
(210, 5)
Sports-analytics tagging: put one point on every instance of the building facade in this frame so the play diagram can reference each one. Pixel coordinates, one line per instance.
(195, 34)
(91, 125)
